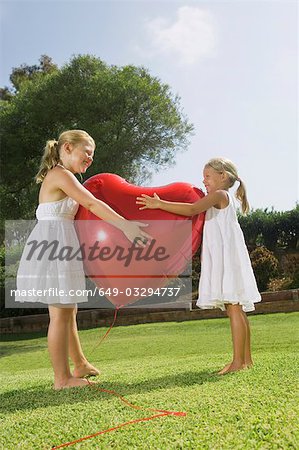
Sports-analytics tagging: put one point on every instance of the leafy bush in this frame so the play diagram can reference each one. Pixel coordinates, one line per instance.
(272, 229)
(280, 284)
(265, 266)
(2, 256)
(195, 271)
(11, 255)
(290, 266)
(252, 226)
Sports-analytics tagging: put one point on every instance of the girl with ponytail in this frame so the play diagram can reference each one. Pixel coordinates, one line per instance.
(227, 280)
(57, 282)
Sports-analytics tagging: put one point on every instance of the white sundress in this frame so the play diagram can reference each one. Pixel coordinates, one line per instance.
(226, 272)
(61, 280)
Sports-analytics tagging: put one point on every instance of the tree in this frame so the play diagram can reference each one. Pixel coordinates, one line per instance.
(5, 94)
(25, 73)
(136, 121)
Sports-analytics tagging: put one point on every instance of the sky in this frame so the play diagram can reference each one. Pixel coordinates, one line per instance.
(233, 63)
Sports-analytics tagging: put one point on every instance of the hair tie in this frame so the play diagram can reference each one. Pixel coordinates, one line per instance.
(239, 179)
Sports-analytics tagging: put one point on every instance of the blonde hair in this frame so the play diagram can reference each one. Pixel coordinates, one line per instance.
(51, 156)
(225, 165)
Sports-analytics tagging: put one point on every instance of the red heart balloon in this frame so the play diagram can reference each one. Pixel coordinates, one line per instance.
(132, 270)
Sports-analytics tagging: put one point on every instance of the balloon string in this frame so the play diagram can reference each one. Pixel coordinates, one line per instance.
(124, 400)
(109, 329)
(161, 413)
(108, 430)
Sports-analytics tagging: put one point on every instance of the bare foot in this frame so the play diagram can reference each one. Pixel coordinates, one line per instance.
(71, 382)
(233, 367)
(85, 370)
(225, 369)
(248, 364)
(236, 367)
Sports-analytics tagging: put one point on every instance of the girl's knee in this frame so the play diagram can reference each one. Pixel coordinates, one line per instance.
(233, 309)
(61, 313)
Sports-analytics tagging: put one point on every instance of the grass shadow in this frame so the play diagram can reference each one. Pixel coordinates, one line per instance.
(43, 396)
(22, 336)
(7, 350)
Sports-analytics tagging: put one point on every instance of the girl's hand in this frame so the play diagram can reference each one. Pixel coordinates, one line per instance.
(148, 202)
(133, 232)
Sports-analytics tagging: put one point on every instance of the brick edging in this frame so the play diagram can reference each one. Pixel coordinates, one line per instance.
(280, 301)
(291, 294)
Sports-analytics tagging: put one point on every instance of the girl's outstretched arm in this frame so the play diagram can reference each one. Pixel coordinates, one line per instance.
(218, 199)
(68, 183)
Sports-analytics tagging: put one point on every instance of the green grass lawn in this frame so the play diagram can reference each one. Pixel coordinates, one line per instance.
(166, 366)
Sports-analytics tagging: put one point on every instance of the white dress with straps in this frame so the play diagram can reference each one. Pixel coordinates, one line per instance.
(226, 272)
(51, 274)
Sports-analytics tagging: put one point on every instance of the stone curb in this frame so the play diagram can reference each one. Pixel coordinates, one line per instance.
(272, 302)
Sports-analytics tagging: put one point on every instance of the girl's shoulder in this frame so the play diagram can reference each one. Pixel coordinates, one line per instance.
(51, 188)
(53, 172)
(58, 173)
(223, 199)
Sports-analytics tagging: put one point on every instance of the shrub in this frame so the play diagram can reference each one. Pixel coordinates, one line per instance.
(280, 284)
(290, 265)
(265, 266)
(195, 271)
(2, 256)
(270, 228)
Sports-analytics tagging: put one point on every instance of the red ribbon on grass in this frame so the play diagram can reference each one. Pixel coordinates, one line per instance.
(161, 413)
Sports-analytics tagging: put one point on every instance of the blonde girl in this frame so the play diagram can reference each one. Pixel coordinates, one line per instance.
(59, 198)
(227, 280)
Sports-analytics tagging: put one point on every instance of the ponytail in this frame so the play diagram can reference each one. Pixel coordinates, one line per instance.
(49, 160)
(225, 165)
(242, 196)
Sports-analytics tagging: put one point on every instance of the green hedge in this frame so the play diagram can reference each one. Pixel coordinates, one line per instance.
(271, 228)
